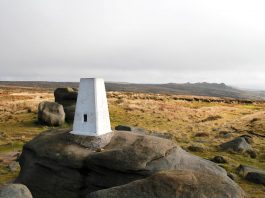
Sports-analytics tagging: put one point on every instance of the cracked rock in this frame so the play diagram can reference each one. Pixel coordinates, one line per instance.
(57, 164)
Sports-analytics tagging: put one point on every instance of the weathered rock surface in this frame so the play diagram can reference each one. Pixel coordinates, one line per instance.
(239, 145)
(175, 184)
(15, 191)
(59, 164)
(51, 113)
(252, 174)
(67, 97)
(248, 138)
(65, 94)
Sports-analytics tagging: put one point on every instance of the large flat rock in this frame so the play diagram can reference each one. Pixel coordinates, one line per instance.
(175, 184)
(59, 164)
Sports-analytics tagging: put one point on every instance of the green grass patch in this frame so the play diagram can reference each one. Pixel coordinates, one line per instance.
(7, 176)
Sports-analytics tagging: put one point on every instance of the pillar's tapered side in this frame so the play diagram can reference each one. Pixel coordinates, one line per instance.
(91, 113)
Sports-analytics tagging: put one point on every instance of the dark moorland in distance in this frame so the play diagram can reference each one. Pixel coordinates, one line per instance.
(197, 89)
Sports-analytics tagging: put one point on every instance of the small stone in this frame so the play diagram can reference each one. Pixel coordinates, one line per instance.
(239, 145)
(123, 128)
(252, 174)
(196, 148)
(99, 150)
(51, 113)
(201, 134)
(256, 177)
(219, 159)
(224, 134)
(252, 153)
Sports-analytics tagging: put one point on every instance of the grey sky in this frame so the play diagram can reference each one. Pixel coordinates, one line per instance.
(134, 41)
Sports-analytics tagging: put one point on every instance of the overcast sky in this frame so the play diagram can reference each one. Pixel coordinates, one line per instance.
(150, 41)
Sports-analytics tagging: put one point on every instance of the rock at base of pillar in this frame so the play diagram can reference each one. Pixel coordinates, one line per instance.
(91, 142)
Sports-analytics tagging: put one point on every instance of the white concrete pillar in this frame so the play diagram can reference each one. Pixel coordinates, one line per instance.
(91, 113)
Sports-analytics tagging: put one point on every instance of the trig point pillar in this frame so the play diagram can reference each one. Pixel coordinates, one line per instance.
(91, 113)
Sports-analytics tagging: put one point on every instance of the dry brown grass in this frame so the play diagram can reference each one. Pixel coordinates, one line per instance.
(201, 123)
(20, 100)
(189, 121)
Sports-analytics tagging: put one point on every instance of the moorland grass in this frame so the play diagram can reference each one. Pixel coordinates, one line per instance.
(184, 120)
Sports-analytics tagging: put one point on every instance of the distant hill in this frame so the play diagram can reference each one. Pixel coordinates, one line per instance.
(199, 89)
